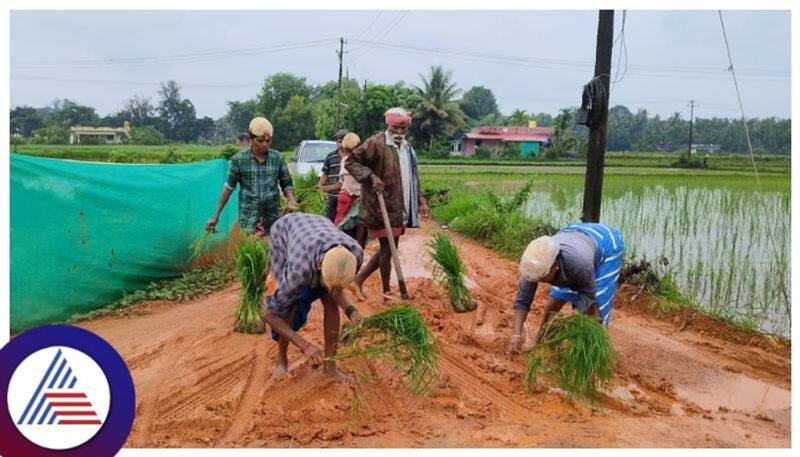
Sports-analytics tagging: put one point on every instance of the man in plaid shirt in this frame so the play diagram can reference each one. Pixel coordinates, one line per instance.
(258, 171)
(310, 259)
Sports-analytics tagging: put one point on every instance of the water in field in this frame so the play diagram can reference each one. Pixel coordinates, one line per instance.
(727, 240)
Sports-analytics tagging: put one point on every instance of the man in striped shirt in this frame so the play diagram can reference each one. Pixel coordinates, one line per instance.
(581, 263)
(310, 259)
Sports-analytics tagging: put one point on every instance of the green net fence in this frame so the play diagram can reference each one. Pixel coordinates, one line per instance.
(83, 233)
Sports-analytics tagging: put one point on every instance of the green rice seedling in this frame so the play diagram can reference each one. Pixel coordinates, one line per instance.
(399, 334)
(576, 351)
(449, 270)
(252, 260)
(200, 245)
(310, 198)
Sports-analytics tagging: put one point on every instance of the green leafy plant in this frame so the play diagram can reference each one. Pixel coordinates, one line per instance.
(229, 151)
(449, 270)
(200, 245)
(399, 334)
(310, 198)
(576, 351)
(252, 260)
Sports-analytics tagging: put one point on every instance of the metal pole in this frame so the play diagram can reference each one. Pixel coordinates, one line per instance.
(691, 125)
(339, 98)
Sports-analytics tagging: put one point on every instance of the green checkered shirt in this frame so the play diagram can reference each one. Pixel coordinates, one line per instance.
(258, 182)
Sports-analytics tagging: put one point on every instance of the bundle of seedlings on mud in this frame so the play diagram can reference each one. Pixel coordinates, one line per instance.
(310, 198)
(576, 352)
(450, 272)
(399, 334)
(252, 260)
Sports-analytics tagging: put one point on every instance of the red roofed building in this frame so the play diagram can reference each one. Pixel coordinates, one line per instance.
(493, 137)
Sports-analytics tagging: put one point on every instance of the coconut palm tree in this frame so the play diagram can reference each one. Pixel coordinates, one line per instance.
(436, 111)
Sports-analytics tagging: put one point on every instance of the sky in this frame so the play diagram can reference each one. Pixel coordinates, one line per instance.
(532, 60)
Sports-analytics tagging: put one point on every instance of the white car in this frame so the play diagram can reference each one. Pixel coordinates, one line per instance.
(310, 155)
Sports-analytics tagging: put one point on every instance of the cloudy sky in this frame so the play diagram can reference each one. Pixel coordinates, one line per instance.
(533, 60)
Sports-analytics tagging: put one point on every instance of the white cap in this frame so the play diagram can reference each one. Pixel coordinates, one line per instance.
(260, 126)
(538, 258)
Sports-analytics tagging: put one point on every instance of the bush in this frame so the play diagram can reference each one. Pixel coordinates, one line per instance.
(438, 152)
(685, 161)
(147, 135)
(91, 140)
(482, 152)
(171, 156)
(120, 157)
(229, 151)
(51, 134)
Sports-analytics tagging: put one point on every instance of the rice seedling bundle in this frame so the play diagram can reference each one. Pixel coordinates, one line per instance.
(200, 245)
(310, 198)
(252, 260)
(576, 351)
(450, 272)
(399, 334)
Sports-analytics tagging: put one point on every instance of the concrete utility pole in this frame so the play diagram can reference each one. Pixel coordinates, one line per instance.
(595, 160)
(340, 53)
(691, 125)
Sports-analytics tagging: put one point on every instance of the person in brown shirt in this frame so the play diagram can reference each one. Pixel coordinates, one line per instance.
(386, 163)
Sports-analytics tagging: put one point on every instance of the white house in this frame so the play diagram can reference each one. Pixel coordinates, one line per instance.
(107, 135)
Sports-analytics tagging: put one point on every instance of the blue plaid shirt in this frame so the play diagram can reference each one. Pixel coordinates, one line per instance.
(297, 243)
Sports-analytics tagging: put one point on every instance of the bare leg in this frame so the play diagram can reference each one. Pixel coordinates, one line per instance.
(366, 270)
(386, 268)
(331, 328)
(282, 359)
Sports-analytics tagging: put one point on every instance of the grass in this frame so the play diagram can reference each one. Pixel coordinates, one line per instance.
(130, 153)
(309, 197)
(576, 351)
(186, 287)
(252, 260)
(200, 245)
(495, 220)
(451, 272)
(399, 334)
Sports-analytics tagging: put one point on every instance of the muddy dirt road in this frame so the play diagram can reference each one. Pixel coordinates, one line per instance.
(199, 384)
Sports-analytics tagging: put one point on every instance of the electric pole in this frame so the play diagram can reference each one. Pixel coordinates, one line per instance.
(340, 53)
(595, 159)
(691, 125)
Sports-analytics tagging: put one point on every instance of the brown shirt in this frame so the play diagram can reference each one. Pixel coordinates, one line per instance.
(377, 156)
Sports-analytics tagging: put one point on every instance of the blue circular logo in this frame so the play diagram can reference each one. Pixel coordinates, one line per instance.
(65, 392)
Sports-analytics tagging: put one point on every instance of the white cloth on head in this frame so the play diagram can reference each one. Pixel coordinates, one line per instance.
(538, 258)
(260, 126)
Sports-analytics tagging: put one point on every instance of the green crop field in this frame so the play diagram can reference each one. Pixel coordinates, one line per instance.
(727, 237)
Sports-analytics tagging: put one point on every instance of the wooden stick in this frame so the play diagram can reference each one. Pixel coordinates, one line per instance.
(398, 269)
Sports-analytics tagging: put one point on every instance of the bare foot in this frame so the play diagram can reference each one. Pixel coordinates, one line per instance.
(331, 370)
(390, 298)
(280, 371)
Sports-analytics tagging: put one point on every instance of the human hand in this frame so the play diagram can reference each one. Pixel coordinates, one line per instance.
(292, 206)
(211, 224)
(377, 184)
(514, 344)
(313, 354)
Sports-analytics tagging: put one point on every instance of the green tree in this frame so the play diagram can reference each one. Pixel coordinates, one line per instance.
(277, 90)
(564, 138)
(293, 123)
(517, 118)
(52, 134)
(176, 115)
(240, 114)
(478, 102)
(147, 134)
(435, 111)
(25, 120)
(67, 113)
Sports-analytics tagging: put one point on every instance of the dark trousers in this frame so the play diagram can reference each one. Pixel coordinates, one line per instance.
(330, 206)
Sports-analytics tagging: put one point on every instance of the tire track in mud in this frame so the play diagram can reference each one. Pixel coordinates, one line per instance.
(147, 408)
(208, 389)
(250, 399)
(145, 359)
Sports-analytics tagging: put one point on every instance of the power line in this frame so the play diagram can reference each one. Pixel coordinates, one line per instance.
(130, 83)
(565, 65)
(383, 33)
(170, 59)
(370, 24)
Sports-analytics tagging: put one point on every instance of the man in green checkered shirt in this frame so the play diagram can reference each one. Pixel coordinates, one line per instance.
(258, 171)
